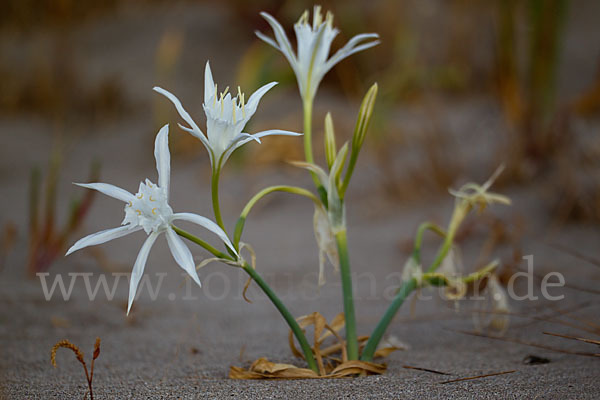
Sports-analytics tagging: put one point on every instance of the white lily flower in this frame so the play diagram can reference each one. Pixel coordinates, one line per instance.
(226, 117)
(149, 210)
(310, 63)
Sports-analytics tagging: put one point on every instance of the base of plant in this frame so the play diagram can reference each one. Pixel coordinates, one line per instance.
(332, 359)
(265, 369)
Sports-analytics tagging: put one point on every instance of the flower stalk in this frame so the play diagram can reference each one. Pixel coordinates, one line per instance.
(307, 105)
(467, 198)
(405, 290)
(285, 313)
(239, 227)
(347, 294)
(214, 191)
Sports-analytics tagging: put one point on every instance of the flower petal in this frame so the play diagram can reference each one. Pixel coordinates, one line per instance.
(163, 159)
(184, 114)
(351, 48)
(256, 137)
(284, 44)
(209, 84)
(182, 255)
(275, 132)
(267, 39)
(202, 138)
(102, 237)
(109, 190)
(252, 103)
(206, 223)
(138, 268)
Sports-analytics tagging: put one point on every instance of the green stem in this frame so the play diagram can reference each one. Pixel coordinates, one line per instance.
(239, 227)
(308, 151)
(214, 188)
(405, 290)
(293, 324)
(419, 238)
(459, 213)
(201, 243)
(351, 339)
(442, 252)
(291, 321)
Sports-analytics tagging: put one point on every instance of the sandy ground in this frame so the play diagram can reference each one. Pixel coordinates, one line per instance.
(177, 347)
(183, 348)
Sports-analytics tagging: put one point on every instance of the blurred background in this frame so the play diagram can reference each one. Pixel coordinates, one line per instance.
(464, 87)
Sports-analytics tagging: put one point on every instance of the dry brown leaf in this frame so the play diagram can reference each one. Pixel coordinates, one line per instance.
(329, 365)
(265, 369)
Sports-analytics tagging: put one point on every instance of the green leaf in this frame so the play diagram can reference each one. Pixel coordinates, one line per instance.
(330, 148)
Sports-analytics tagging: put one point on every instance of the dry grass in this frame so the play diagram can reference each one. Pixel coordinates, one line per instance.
(79, 355)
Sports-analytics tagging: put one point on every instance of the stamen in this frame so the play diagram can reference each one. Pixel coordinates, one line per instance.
(140, 195)
(317, 18)
(222, 97)
(243, 105)
(233, 106)
(138, 212)
(215, 96)
(151, 199)
(129, 204)
(329, 19)
(303, 18)
(154, 211)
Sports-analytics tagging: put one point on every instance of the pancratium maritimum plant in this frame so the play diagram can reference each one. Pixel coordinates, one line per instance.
(311, 61)
(310, 64)
(226, 118)
(149, 210)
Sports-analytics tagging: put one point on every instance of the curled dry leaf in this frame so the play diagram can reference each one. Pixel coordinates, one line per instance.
(265, 369)
(332, 360)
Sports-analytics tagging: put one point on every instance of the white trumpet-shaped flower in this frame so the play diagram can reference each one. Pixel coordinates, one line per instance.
(149, 210)
(310, 62)
(226, 117)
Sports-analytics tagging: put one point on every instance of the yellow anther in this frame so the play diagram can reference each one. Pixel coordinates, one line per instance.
(129, 204)
(317, 18)
(152, 199)
(304, 18)
(138, 212)
(140, 195)
(329, 19)
(154, 211)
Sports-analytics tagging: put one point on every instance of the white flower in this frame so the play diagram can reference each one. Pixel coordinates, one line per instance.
(310, 63)
(226, 117)
(149, 210)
